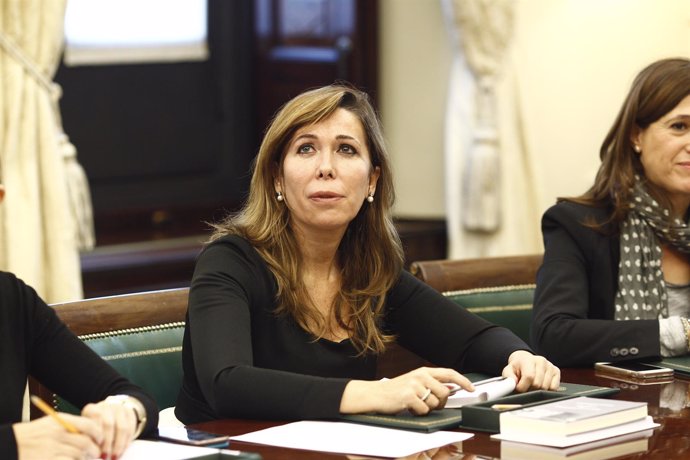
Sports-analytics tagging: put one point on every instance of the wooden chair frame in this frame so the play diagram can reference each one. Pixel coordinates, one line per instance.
(488, 272)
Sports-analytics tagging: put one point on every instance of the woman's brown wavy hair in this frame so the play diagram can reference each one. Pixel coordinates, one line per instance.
(370, 254)
(656, 90)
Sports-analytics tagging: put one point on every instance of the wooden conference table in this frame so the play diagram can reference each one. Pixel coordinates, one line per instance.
(668, 403)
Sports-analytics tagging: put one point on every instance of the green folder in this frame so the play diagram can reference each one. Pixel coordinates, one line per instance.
(436, 420)
(577, 389)
(680, 364)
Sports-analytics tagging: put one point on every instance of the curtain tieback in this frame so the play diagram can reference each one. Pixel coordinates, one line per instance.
(15, 51)
(77, 183)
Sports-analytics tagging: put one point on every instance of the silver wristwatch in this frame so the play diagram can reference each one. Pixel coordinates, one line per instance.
(134, 404)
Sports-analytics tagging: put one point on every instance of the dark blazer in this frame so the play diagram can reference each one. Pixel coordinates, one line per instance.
(572, 320)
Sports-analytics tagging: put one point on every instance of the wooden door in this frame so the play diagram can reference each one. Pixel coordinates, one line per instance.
(302, 44)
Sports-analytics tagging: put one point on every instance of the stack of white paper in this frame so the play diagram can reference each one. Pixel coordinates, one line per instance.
(351, 438)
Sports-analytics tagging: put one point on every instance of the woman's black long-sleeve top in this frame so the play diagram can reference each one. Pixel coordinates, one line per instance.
(241, 360)
(33, 341)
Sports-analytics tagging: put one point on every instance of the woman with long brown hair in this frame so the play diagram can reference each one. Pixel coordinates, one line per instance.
(297, 294)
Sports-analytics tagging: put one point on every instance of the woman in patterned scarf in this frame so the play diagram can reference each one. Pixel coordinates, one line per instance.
(615, 282)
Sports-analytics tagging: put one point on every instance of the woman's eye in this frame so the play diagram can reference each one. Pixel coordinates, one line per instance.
(306, 148)
(346, 148)
(679, 126)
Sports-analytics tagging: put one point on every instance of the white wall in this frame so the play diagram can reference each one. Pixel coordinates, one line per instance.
(575, 61)
(415, 57)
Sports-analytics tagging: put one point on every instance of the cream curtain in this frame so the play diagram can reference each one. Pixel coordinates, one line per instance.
(490, 200)
(46, 215)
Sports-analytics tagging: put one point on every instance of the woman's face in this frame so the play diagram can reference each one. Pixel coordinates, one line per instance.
(665, 154)
(327, 173)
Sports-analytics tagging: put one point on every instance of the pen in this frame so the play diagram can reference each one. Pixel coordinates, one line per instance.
(241, 455)
(454, 388)
(492, 379)
(46, 409)
(505, 406)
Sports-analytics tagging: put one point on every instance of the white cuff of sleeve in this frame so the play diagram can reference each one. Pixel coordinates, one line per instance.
(673, 338)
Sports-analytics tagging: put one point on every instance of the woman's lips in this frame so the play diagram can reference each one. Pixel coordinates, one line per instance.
(325, 196)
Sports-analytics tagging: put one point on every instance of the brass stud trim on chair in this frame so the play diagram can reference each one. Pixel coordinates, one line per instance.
(135, 330)
(495, 289)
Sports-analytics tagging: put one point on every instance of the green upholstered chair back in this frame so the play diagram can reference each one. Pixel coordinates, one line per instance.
(150, 357)
(140, 335)
(499, 289)
(507, 306)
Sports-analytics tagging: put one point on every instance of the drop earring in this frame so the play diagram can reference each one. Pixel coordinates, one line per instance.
(279, 196)
(370, 198)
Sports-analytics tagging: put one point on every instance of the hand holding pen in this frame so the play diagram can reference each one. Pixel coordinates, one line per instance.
(47, 438)
(46, 409)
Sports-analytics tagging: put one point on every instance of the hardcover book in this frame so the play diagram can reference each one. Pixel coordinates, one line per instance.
(587, 437)
(618, 446)
(571, 416)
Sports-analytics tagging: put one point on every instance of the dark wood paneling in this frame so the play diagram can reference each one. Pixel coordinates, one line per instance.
(423, 239)
(138, 267)
(169, 263)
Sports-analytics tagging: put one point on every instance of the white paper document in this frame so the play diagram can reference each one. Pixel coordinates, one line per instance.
(351, 438)
(146, 450)
(484, 390)
(575, 439)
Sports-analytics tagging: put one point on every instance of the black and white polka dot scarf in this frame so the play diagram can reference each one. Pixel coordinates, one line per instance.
(641, 288)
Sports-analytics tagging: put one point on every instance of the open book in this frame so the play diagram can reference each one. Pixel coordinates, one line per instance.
(484, 390)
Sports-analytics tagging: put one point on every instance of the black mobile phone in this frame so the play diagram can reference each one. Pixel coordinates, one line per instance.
(193, 437)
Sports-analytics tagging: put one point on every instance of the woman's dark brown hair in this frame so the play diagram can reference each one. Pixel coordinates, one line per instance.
(656, 90)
